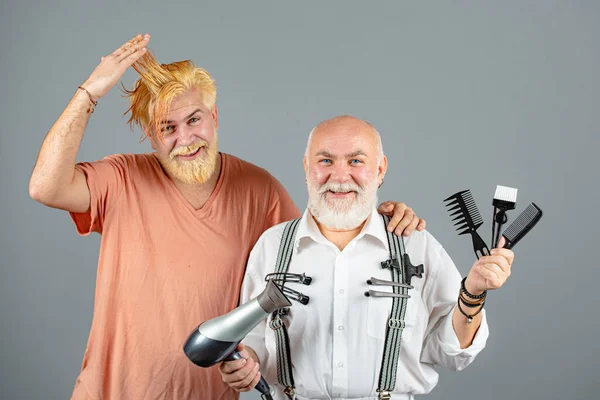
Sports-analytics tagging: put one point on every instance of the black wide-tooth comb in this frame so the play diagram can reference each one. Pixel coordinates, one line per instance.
(522, 225)
(467, 219)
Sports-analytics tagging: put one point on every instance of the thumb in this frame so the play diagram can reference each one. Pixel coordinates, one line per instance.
(501, 242)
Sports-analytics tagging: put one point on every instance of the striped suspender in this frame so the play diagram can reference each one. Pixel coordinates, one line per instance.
(284, 362)
(395, 326)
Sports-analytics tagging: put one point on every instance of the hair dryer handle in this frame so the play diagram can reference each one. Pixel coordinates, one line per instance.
(262, 386)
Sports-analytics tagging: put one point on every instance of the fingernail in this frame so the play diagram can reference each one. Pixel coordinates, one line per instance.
(493, 251)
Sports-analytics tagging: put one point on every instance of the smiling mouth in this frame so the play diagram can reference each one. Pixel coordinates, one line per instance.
(190, 154)
(340, 193)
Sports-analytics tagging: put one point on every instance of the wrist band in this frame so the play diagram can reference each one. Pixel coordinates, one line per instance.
(94, 102)
(469, 295)
(469, 317)
(469, 304)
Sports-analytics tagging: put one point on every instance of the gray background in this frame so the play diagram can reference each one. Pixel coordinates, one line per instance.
(465, 95)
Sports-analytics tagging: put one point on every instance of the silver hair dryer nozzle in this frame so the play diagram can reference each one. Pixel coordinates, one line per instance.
(216, 339)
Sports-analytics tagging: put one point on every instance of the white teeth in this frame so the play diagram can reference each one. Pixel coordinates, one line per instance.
(189, 154)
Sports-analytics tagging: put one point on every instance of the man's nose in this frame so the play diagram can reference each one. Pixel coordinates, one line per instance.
(340, 173)
(186, 136)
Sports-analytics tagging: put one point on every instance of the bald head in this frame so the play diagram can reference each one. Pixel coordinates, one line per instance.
(351, 126)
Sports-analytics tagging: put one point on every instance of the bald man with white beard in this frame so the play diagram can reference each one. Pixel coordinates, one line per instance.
(337, 341)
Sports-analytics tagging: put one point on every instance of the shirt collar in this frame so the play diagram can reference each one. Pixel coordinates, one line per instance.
(307, 228)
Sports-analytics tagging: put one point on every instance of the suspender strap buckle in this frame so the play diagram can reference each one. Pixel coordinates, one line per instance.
(396, 323)
(384, 394)
(290, 392)
(275, 323)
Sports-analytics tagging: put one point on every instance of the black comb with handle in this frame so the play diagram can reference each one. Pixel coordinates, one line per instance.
(522, 225)
(462, 207)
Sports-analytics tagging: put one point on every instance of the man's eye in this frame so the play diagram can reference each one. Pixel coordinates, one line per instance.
(167, 129)
(194, 119)
(356, 161)
(325, 161)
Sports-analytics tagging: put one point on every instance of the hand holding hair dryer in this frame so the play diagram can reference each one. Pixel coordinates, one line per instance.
(215, 340)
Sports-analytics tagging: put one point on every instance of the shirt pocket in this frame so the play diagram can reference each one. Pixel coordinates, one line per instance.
(379, 308)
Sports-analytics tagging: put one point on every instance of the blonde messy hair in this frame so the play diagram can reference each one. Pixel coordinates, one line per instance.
(159, 84)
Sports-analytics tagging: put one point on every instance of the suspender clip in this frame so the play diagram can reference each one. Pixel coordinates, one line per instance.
(411, 270)
(384, 394)
(290, 392)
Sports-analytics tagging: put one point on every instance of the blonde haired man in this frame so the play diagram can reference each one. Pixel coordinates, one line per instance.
(177, 226)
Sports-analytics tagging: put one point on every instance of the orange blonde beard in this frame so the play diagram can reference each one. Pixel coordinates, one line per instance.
(198, 170)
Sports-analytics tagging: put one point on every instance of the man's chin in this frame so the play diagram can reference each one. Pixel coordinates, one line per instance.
(338, 219)
(189, 174)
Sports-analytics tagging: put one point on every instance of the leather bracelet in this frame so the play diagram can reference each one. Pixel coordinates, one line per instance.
(469, 317)
(469, 295)
(470, 305)
(94, 102)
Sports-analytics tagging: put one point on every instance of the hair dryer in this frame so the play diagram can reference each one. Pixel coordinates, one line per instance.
(215, 340)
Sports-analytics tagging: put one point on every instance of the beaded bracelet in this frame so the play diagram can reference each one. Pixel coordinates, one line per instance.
(94, 102)
(469, 295)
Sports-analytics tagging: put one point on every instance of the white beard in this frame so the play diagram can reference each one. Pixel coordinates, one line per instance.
(342, 214)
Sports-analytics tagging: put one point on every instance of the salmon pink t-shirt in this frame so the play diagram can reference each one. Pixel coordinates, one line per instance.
(164, 268)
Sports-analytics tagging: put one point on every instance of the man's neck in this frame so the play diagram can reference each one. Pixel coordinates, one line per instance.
(197, 194)
(340, 238)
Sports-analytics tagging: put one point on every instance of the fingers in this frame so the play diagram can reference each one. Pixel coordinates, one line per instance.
(126, 45)
(407, 220)
(242, 379)
(229, 367)
(135, 51)
(246, 384)
(493, 275)
(407, 225)
(422, 225)
(130, 51)
(398, 211)
(386, 208)
(509, 255)
(501, 242)
(253, 384)
(494, 269)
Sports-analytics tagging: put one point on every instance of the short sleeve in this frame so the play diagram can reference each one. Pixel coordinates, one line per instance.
(105, 179)
(281, 206)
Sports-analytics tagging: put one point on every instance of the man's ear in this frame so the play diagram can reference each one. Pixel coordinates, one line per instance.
(305, 163)
(215, 115)
(382, 169)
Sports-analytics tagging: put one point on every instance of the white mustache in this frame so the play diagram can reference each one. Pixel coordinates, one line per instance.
(189, 149)
(340, 188)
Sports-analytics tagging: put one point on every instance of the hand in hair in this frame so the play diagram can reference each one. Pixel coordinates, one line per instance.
(114, 65)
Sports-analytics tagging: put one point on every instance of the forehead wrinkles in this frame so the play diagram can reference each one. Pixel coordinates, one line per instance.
(343, 138)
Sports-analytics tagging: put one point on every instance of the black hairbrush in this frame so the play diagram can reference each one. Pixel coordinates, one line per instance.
(467, 219)
(522, 225)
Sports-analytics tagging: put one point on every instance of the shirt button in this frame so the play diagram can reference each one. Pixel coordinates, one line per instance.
(340, 328)
(341, 290)
(340, 365)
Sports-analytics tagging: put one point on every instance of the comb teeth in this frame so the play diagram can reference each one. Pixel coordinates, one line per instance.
(465, 212)
(523, 224)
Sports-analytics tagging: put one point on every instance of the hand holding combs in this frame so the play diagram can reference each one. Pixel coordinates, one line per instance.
(462, 207)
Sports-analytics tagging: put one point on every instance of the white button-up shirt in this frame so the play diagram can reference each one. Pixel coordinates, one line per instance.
(337, 339)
